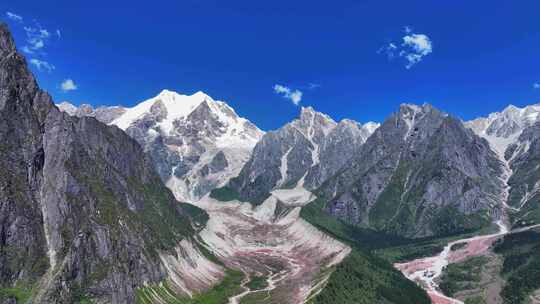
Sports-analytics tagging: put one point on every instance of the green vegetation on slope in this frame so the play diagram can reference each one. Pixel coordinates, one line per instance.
(219, 294)
(521, 266)
(224, 194)
(361, 277)
(391, 247)
(257, 282)
(198, 216)
(462, 276)
(365, 279)
(19, 294)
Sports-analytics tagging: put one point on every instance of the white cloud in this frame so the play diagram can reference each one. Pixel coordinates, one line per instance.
(42, 65)
(35, 38)
(420, 43)
(413, 49)
(68, 85)
(14, 17)
(293, 95)
(58, 34)
(536, 85)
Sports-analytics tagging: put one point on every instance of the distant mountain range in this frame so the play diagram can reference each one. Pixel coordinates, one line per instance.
(94, 201)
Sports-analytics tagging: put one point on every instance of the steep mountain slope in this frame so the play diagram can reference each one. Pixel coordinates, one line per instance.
(524, 182)
(304, 153)
(421, 173)
(83, 214)
(515, 135)
(197, 143)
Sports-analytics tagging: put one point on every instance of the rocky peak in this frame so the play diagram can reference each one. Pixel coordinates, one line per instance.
(371, 126)
(506, 124)
(184, 133)
(311, 120)
(7, 45)
(303, 153)
(67, 107)
(105, 114)
(414, 158)
(502, 129)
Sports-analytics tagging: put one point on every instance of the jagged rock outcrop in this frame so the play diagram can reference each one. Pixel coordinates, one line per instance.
(302, 153)
(421, 173)
(83, 214)
(501, 129)
(514, 134)
(196, 143)
(104, 114)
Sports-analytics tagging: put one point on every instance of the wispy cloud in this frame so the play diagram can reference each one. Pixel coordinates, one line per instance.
(413, 48)
(14, 17)
(68, 85)
(36, 37)
(536, 85)
(293, 95)
(37, 40)
(42, 65)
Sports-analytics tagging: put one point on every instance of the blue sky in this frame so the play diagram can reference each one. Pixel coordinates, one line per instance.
(350, 59)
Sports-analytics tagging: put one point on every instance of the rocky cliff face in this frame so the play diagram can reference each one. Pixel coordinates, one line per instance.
(196, 143)
(514, 134)
(302, 153)
(524, 182)
(421, 173)
(82, 212)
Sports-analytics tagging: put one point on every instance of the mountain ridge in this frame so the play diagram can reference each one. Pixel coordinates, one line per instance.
(84, 215)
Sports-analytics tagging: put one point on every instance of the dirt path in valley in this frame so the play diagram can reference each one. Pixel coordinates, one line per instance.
(426, 271)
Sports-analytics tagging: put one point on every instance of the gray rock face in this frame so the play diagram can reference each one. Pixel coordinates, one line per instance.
(337, 148)
(302, 153)
(421, 173)
(514, 135)
(524, 158)
(82, 211)
(103, 113)
(196, 143)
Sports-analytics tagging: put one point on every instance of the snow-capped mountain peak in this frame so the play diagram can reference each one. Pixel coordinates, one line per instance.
(504, 124)
(173, 112)
(371, 126)
(176, 105)
(197, 143)
(502, 129)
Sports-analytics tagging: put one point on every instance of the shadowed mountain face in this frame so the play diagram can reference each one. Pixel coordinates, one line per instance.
(421, 173)
(82, 211)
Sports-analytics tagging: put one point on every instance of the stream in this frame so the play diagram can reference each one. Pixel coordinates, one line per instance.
(426, 271)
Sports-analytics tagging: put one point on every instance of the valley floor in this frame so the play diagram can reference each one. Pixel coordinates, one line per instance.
(427, 271)
(287, 256)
